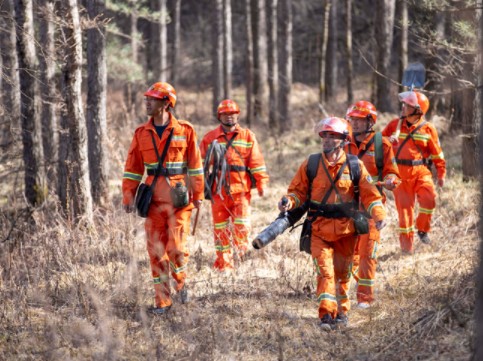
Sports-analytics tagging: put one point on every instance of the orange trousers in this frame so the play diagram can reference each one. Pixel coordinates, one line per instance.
(419, 187)
(233, 210)
(333, 265)
(166, 231)
(365, 262)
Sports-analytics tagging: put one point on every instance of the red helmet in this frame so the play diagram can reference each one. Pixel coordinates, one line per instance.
(416, 100)
(362, 109)
(228, 106)
(334, 125)
(162, 90)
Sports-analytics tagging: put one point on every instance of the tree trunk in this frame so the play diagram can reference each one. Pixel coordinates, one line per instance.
(403, 25)
(286, 121)
(478, 342)
(331, 72)
(30, 122)
(96, 103)
(228, 50)
(48, 88)
(384, 31)
(78, 201)
(9, 73)
(130, 93)
(157, 59)
(176, 42)
(435, 63)
(260, 73)
(323, 52)
(217, 55)
(350, 92)
(273, 67)
(249, 65)
(163, 42)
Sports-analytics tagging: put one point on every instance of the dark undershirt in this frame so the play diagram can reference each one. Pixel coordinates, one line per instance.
(160, 129)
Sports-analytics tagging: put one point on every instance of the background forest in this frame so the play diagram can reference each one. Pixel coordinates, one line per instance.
(74, 275)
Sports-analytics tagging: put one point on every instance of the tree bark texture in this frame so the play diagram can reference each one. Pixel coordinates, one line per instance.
(176, 42)
(403, 25)
(228, 49)
(350, 92)
(30, 122)
(9, 73)
(217, 55)
(260, 71)
(323, 52)
(78, 200)
(96, 103)
(384, 36)
(163, 42)
(48, 88)
(286, 121)
(249, 65)
(478, 352)
(331, 71)
(273, 75)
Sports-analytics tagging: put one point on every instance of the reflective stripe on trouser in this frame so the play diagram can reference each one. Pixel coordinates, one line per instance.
(333, 264)
(421, 189)
(365, 262)
(166, 232)
(236, 211)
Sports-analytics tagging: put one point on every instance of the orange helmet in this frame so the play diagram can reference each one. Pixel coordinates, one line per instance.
(228, 106)
(334, 125)
(416, 100)
(161, 90)
(362, 109)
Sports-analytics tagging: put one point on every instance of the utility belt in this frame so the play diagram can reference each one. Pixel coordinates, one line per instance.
(168, 171)
(237, 168)
(338, 210)
(413, 163)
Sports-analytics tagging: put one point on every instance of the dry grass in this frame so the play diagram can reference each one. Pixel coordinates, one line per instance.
(77, 292)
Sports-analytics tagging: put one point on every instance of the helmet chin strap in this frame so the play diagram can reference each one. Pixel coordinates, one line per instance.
(228, 124)
(333, 149)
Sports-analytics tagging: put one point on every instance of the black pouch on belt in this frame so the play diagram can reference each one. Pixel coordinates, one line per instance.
(361, 223)
(179, 196)
(144, 195)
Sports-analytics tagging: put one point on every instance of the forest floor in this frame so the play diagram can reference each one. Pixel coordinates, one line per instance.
(76, 292)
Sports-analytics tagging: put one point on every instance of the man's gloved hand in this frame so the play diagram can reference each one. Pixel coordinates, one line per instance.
(261, 192)
(380, 225)
(390, 184)
(441, 182)
(284, 204)
(128, 208)
(197, 203)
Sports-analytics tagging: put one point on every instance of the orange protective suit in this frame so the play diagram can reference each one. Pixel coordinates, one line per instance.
(417, 182)
(365, 258)
(334, 239)
(233, 203)
(166, 227)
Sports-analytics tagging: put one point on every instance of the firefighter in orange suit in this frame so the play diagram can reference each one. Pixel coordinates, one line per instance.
(166, 226)
(333, 236)
(416, 146)
(235, 163)
(362, 116)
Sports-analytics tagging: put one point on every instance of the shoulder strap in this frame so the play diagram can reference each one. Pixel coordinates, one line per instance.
(379, 154)
(355, 172)
(160, 159)
(410, 136)
(333, 181)
(312, 168)
(368, 145)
